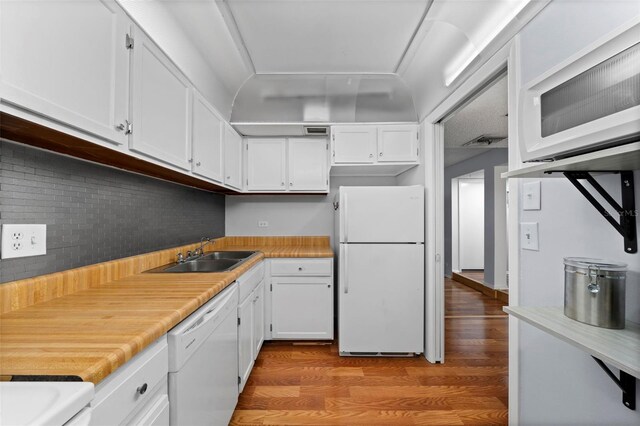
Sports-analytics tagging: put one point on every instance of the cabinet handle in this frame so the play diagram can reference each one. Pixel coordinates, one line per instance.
(142, 389)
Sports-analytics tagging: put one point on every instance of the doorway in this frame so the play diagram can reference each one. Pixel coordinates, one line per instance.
(467, 224)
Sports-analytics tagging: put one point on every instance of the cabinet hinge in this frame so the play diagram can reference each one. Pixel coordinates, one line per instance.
(128, 43)
(239, 321)
(270, 327)
(333, 137)
(327, 147)
(270, 287)
(239, 380)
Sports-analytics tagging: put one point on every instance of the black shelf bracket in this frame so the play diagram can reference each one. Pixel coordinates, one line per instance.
(626, 225)
(626, 382)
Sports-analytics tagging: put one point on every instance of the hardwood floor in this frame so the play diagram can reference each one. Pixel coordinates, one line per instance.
(309, 384)
(473, 274)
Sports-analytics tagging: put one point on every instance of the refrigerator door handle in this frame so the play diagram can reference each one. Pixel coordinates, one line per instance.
(346, 269)
(345, 219)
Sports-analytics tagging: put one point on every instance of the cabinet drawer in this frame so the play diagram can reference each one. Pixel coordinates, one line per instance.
(122, 393)
(302, 266)
(250, 280)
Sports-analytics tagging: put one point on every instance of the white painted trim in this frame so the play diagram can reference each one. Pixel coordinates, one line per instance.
(455, 226)
(434, 176)
(514, 78)
(434, 248)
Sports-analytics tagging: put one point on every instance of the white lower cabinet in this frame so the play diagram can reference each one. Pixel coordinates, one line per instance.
(250, 320)
(245, 341)
(135, 391)
(258, 319)
(301, 299)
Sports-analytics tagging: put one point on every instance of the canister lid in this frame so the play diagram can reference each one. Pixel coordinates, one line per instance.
(586, 262)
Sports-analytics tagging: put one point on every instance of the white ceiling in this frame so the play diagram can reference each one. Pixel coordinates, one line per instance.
(484, 115)
(326, 36)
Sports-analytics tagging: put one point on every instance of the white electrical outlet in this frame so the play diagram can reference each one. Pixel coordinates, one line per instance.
(263, 224)
(529, 236)
(531, 196)
(23, 240)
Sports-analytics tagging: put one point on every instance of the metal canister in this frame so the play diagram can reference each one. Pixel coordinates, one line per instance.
(594, 291)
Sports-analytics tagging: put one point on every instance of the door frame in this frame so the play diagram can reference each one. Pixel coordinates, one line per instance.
(433, 131)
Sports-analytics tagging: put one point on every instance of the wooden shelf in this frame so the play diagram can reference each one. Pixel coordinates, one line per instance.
(624, 157)
(619, 348)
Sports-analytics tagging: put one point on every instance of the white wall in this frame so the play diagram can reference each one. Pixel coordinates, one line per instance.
(290, 214)
(501, 246)
(559, 384)
(471, 223)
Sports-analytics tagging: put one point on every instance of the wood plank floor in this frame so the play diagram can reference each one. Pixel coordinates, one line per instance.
(309, 384)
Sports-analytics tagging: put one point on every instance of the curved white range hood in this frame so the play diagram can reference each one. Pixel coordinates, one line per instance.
(286, 104)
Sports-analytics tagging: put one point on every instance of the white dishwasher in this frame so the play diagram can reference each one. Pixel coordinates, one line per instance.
(203, 363)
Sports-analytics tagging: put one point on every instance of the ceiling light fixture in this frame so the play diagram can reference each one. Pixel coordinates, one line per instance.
(514, 10)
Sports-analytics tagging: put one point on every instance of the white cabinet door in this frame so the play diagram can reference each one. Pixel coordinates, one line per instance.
(67, 60)
(354, 144)
(245, 340)
(266, 162)
(207, 133)
(397, 143)
(308, 168)
(302, 308)
(232, 157)
(161, 102)
(258, 319)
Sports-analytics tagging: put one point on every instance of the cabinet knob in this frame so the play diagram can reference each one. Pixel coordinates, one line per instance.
(380, 154)
(290, 183)
(370, 155)
(120, 127)
(228, 177)
(282, 184)
(198, 164)
(300, 268)
(142, 389)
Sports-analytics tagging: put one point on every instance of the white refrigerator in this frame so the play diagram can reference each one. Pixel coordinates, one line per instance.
(381, 270)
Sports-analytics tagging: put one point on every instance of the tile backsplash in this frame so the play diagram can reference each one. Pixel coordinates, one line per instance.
(95, 213)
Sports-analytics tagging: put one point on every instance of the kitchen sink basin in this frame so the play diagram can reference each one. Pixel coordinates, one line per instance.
(227, 255)
(217, 261)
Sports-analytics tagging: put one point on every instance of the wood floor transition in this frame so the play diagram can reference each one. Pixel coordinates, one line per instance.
(309, 384)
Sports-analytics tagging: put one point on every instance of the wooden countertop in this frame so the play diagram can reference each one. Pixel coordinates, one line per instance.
(88, 334)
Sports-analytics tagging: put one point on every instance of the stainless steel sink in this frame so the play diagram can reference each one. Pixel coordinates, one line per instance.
(227, 255)
(217, 261)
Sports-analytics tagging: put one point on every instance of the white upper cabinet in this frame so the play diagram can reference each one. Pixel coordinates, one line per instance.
(161, 99)
(207, 136)
(308, 164)
(397, 143)
(69, 62)
(354, 144)
(232, 157)
(266, 164)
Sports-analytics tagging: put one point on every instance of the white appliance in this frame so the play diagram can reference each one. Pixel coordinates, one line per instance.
(203, 363)
(588, 102)
(381, 270)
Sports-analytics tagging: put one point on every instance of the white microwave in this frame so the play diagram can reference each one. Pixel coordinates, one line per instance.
(589, 102)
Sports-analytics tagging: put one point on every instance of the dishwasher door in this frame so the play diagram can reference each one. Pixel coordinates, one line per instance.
(203, 389)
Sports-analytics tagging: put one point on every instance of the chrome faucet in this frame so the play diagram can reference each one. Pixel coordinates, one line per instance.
(203, 242)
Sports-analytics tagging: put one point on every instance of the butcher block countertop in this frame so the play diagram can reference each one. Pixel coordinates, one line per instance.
(87, 332)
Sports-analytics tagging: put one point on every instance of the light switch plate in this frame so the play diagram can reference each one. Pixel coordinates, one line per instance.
(263, 224)
(529, 236)
(23, 240)
(531, 196)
